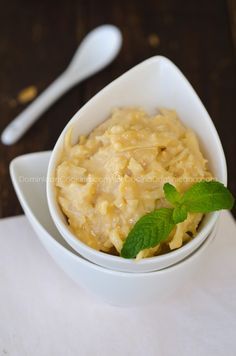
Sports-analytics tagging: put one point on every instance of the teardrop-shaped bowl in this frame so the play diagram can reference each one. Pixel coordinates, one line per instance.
(153, 84)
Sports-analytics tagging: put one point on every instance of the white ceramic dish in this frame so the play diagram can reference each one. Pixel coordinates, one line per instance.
(156, 82)
(28, 174)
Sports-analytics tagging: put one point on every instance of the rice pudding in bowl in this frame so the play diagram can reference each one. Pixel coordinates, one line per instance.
(111, 178)
(107, 223)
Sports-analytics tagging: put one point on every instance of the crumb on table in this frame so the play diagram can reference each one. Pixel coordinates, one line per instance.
(27, 94)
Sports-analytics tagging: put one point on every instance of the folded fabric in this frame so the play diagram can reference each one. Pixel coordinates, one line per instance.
(44, 313)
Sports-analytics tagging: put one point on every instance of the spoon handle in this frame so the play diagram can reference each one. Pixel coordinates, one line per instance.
(16, 129)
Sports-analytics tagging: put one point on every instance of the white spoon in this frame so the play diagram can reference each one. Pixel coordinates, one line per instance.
(95, 52)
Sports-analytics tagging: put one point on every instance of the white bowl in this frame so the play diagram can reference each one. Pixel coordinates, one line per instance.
(155, 83)
(28, 174)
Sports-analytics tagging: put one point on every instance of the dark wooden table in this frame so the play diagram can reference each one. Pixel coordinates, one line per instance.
(38, 38)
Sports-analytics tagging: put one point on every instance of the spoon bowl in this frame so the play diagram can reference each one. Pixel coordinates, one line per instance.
(95, 52)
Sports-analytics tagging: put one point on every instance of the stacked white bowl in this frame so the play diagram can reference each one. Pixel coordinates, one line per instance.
(153, 84)
(114, 287)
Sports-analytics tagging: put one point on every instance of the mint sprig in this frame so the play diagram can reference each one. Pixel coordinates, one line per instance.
(155, 227)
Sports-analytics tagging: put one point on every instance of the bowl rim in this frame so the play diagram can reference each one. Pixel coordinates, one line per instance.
(55, 210)
(42, 230)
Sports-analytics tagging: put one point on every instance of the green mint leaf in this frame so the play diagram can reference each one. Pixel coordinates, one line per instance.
(204, 197)
(180, 214)
(148, 231)
(171, 194)
(155, 227)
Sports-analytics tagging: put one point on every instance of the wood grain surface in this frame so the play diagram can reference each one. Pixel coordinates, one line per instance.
(38, 38)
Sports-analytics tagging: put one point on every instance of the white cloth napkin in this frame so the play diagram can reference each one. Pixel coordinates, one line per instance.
(44, 313)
